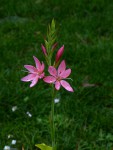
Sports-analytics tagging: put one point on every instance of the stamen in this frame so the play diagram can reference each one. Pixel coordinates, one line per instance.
(25, 71)
(70, 79)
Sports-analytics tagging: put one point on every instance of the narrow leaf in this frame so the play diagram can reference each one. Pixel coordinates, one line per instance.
(43, 146)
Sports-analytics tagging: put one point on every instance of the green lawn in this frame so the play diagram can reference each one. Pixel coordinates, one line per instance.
(84, 119)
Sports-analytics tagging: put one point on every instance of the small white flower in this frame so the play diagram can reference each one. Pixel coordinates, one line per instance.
(14, 108)
(6, 147)
(13, 142)
(9, 136)
(29, 114)
(56, 100)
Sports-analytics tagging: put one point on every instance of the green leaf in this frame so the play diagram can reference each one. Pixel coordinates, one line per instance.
(43, 146)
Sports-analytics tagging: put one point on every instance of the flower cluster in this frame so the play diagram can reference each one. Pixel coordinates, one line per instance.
(58, 74)
(56, 77)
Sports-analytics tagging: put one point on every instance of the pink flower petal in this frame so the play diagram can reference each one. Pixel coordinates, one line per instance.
(37, 62)
(30, 68)
(49, 79)
(66, 85)
(61, 67)
(28, 78)
(66, 73)
(59, 53)
(57, 85)
(34, 81)
(52, 71)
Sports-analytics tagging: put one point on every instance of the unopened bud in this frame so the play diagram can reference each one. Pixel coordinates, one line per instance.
(43, 49)
(59, 53)
(54, 46)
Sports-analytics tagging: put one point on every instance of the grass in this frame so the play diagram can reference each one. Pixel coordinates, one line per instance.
(83, 119)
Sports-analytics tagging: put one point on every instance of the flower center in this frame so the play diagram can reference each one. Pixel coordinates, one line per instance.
(58, 78)
(38, 73)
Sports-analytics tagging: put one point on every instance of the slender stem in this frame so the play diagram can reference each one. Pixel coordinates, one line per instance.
(52, 120)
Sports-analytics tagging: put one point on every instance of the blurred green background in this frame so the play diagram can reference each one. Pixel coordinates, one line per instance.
(83, 119)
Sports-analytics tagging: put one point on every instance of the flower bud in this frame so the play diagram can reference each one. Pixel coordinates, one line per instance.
(54, 46)
(59, 53)
(43, 49)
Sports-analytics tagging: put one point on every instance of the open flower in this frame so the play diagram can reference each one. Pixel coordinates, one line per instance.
(35, 73)
(57, 77)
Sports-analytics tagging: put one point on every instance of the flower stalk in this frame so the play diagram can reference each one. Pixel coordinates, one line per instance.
(52, 119)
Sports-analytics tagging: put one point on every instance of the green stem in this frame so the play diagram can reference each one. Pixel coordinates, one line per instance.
(52, 120)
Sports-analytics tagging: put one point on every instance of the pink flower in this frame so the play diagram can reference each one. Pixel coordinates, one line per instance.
(57, 77)
(59, 53)
(44, 49)
(35, 73)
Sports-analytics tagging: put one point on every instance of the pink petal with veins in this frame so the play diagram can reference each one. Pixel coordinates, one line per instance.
(52, 71)
(34, 81)
(57, 85)
(49, 79)
(61, 67)
(37, 62)
(30, 68)
(66, 85)
(28, 78)
(66, 73)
